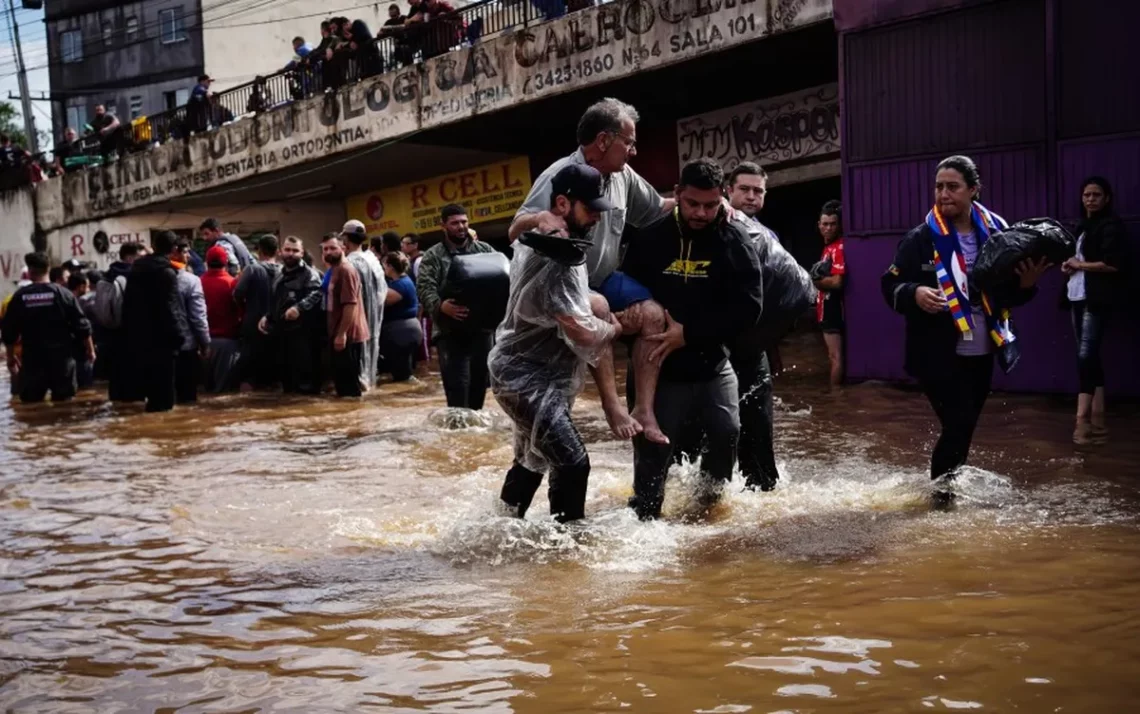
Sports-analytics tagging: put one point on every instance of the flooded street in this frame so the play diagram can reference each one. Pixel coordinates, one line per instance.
(262, 553)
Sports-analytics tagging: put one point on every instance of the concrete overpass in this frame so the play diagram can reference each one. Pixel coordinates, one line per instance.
(274, 154)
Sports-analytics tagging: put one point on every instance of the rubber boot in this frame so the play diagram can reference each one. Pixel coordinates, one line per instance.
(519, 488)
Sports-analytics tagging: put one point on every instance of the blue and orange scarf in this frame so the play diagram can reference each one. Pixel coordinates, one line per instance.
(950, 267)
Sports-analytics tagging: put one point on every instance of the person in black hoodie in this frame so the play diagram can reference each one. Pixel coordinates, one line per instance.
(295, 303)
(1094, 288)
(953, 331)
(703, 269)
(114, 352)
(48, 322)
(152, 312)
(257, 364)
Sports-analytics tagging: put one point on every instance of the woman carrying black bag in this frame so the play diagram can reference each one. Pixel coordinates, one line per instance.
(953, 332)
(1093, 289)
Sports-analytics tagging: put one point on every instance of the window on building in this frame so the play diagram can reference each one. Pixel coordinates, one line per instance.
(77, 118)
(132, 27)
(136, 106)
(71, 46)
(170, 23)
(108, 35)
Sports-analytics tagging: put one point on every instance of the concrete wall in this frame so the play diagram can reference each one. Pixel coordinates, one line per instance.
(582, 49)
(16, 237)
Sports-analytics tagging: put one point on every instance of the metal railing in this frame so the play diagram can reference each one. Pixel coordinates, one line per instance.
(395, 47)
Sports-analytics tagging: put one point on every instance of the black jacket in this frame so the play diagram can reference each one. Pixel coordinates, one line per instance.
(708, 280)
(1105, 241)
(298, 287)
(931, 340)
(254, 293)
(48, 320)
(152, 307)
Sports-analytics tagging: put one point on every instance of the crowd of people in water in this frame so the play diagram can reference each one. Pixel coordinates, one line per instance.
(157, 327)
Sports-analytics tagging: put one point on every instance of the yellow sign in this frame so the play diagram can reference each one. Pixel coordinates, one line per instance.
(487, 192)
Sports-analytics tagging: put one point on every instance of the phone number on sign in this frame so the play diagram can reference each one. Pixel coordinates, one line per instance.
(568, 73)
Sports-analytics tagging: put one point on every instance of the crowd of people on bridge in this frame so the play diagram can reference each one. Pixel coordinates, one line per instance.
(700, 294)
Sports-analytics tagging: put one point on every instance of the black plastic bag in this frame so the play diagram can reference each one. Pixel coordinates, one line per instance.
(788, 294)
(995, 269)
(481, 282)
(568, 251)
(821, 270)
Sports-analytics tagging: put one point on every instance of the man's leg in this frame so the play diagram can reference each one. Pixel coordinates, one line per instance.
(645, 318)
(651, 460)
(617, 416)
(158, 376)
(834, 342)
(186, 373)
(454, 369)
(477, 387)
(558, 440)
(33, 380)
(755, 451)
(719, 398)
(63, 379)
(346, 370)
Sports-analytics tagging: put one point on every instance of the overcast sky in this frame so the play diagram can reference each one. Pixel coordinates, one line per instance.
(33, 38)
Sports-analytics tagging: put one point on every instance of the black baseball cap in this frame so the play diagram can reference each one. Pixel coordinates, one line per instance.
(580, 182)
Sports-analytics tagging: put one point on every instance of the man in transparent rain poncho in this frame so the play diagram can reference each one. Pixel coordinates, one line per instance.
(543, 346)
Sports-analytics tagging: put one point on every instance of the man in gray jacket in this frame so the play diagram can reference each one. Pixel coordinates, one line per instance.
(236, 251)
(193, 327)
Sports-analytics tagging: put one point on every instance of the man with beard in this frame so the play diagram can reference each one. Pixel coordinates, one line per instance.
(347, 326)
(373, 291)
(462, 352)
(607, 140)
(704, 270)
(295, 300)
(542, 348)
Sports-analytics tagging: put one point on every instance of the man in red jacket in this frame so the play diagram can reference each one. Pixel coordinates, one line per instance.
(224, 317)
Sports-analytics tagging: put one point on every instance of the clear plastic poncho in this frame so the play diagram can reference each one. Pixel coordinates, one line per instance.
(536, 369)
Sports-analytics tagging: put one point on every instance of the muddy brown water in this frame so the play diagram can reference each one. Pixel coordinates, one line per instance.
(256, 553)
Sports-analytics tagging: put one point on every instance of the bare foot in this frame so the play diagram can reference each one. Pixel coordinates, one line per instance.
(649, 427)
(621, 423)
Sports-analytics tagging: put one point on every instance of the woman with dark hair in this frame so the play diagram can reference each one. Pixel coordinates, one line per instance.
(953, 330)
(1094, 287)
(401, 334)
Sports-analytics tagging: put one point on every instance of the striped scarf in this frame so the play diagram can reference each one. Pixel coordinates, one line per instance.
(952, 277)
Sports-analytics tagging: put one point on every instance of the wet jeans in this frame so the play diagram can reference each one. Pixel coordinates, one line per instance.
(346, 370)
(714, 404)
(755, 452)
(958, 399)
(41, 373)
(1088, 327)
(463, 368)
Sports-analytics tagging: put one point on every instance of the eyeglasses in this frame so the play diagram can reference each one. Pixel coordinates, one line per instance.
(630, 141)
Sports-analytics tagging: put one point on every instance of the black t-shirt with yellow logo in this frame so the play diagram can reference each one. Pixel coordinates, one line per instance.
(708, 280)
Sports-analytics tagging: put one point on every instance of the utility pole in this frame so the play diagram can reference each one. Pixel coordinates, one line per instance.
(25, 96)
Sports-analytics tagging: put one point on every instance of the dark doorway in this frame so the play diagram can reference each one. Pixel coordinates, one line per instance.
(793, 212)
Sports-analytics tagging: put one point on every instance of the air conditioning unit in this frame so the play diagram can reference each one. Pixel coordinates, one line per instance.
(32, 4)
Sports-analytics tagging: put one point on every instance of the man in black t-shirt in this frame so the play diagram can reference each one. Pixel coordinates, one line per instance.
(47, 320)
(67, 149)
(109, 131)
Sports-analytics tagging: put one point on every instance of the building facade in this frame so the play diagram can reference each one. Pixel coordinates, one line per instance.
(1041, 93)
(135, 58)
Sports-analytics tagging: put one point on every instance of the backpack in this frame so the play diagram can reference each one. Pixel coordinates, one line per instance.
(109, 302)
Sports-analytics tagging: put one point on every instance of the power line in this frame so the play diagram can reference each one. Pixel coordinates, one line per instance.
(45, 51)
(207, 23)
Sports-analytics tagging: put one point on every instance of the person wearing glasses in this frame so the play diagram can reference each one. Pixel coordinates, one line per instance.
(607, 140)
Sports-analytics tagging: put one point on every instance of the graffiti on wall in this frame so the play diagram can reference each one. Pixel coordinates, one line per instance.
(769, 131)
